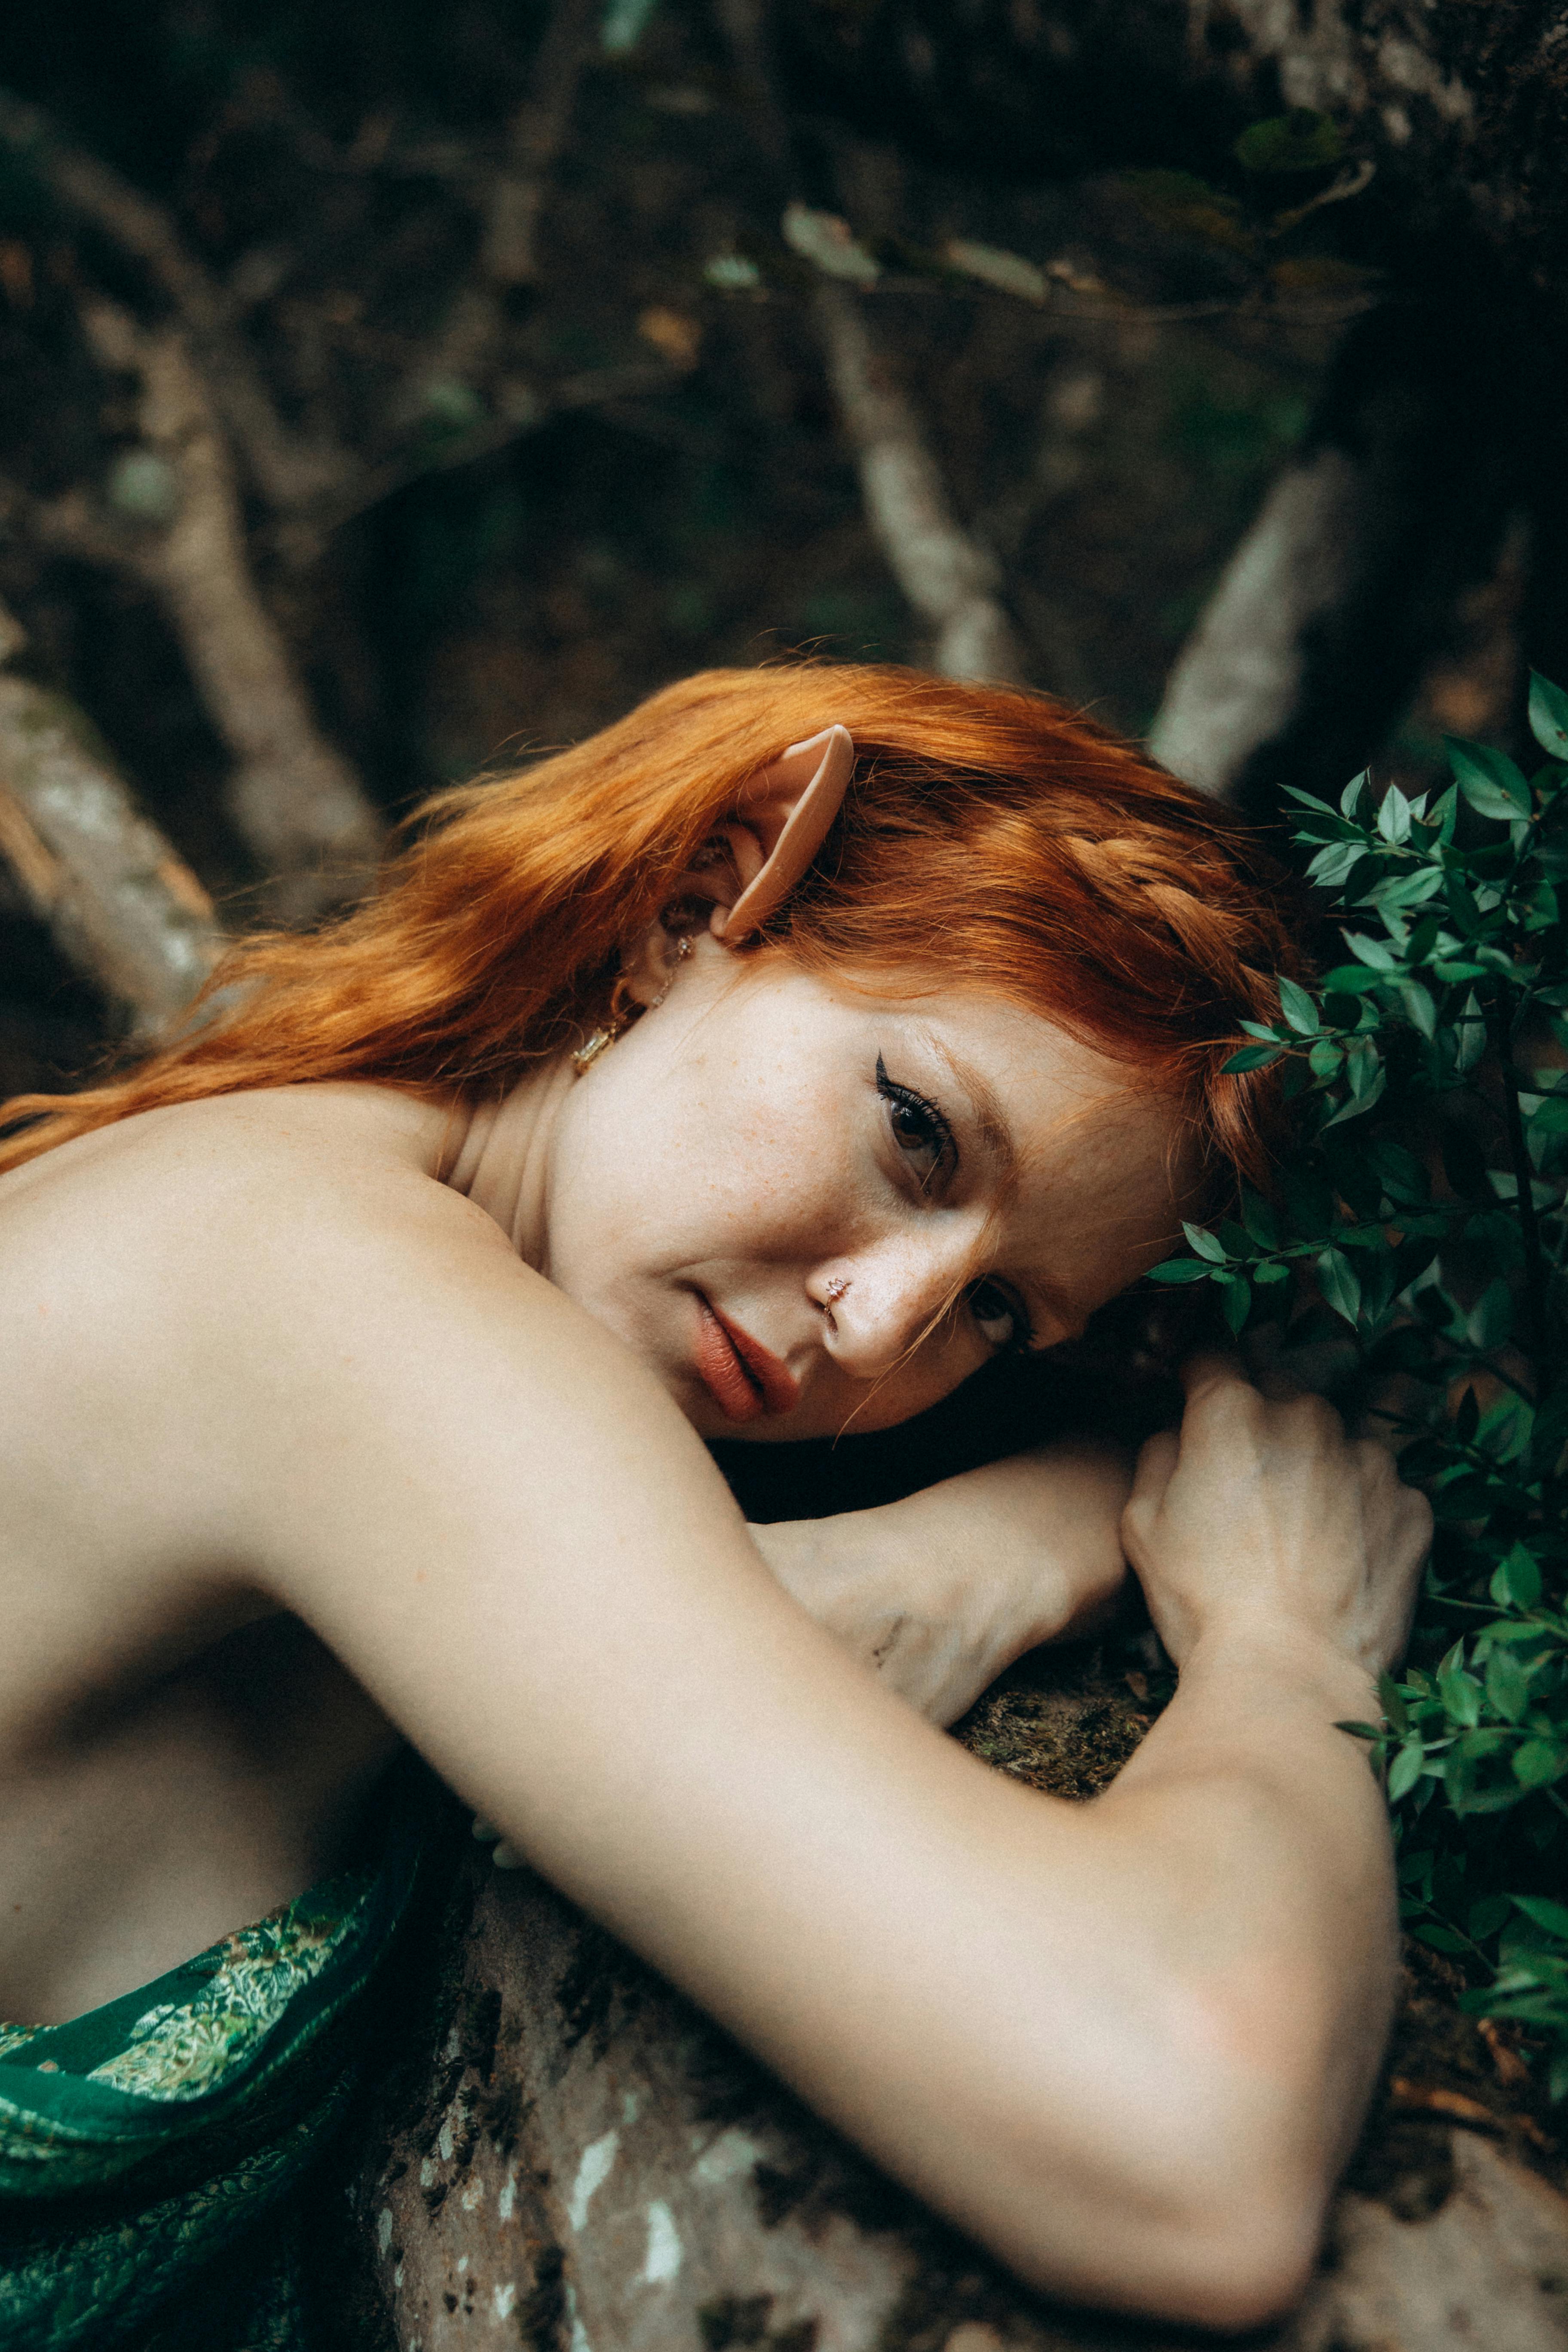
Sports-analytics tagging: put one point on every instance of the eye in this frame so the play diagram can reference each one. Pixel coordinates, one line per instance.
(1001, 1320)
(920, 1130)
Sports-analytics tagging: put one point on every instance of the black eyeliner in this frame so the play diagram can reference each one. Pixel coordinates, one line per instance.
(943, 1141)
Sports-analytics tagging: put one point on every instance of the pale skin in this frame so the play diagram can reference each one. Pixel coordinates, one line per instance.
(335, 1419)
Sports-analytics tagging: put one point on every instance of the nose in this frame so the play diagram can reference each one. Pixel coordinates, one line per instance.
(878, 1303)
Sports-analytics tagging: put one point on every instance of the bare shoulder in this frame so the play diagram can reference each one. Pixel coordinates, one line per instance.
(188, 1204)
(206, 1292)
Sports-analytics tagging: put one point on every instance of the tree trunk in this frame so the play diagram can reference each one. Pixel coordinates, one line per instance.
(586, 2165)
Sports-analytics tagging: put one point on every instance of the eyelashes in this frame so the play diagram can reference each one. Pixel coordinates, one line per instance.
(922, 1135)
(917, 1126)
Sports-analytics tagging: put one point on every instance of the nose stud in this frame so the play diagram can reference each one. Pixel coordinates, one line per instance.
(835, 1291)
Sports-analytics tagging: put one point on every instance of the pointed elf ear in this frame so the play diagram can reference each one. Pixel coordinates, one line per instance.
(781, 817)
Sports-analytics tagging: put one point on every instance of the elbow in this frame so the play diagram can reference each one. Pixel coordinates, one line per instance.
(1236, 2271)
(1208, 2212)
(1243, 2195)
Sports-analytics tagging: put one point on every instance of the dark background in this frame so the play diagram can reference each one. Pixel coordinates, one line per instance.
(563, 487)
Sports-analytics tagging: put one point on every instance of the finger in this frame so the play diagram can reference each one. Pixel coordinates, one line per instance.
(1210, 1370)
(1156, 1464)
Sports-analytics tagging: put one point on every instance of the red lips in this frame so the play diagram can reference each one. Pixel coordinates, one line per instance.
(745, 1378)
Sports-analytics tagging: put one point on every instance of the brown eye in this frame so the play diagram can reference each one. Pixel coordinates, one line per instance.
(919, 1127)
(998, 1317)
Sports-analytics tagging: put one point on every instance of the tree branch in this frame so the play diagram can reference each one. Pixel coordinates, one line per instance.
(950, 581)
(287, 472)
(1237, 683)
(295, 800)
(540, 128)
(124, 908)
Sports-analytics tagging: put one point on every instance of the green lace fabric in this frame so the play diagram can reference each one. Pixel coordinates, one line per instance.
(144, 2146)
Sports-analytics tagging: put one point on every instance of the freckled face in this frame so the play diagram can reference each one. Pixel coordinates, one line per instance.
(804, 1205)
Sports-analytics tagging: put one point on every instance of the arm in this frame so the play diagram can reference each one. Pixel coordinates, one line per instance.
(941, 1592)
(1057, 2024)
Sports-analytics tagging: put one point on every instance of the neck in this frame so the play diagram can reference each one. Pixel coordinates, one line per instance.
(497, 1154)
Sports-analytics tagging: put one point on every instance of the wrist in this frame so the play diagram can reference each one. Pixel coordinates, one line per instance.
(1270, 1652)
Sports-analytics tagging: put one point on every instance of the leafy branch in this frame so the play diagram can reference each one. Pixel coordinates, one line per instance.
(1415, 1247)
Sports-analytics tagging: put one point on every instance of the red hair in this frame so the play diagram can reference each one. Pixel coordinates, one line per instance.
(990, 839)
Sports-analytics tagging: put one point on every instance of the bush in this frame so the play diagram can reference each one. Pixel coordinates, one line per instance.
(1413, 1263)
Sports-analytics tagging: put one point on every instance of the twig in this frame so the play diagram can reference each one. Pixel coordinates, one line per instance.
(122, 906)
(950, 581)
(947, 576)
(288, 473)
(1536, 1269)
(295, 800)
(540, 130)
(1238, 681)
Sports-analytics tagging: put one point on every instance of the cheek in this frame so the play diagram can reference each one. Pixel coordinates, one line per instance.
(660, 1170)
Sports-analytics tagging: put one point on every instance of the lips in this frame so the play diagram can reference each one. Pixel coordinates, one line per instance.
(745, 1378)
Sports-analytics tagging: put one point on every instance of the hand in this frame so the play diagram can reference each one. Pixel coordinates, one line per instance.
(1266, 1515)
(943, 1590)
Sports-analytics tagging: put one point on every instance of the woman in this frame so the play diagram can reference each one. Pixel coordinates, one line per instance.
(359, 1349)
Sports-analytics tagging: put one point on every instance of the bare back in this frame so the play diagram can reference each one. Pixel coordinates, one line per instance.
(177, 1754)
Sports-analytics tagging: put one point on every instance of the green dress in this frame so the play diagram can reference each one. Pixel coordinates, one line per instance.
(148, 2150)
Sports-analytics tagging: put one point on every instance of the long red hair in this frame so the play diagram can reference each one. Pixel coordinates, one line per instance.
(989, 839)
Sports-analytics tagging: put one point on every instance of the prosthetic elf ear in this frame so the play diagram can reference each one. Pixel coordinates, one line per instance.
(783, 816)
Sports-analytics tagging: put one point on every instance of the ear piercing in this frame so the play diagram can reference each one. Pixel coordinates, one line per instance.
(603, 1038)
(682, 950)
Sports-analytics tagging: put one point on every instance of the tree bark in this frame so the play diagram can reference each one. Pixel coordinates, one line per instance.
(587, 2164)
(124, 908)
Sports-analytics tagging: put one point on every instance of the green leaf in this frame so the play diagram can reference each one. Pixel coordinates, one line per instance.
(625, 22)
(1261, 1223)
(1236, 1303)
(1359, 1102)
(1394, 815)
(1376, 953)
(1549, 716)
(1516, 1582)
(1298, 1008)
(1271, 1271)
(1301, 140)
(1490, 1320)
(1508, 1686)
(1552, 1917)
(1539, 1762)
(1487, 779)
(1419, 1009)
(1461, 1696)
(1251, 1057)
(1440, 1938)
(1180, 1269)
(1394, 1706)
(1488, 1916)
(1340, 1285)
(1406, 1770)
(1207, 1244)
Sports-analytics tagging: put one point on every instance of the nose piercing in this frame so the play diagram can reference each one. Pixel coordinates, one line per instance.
(835, 1291)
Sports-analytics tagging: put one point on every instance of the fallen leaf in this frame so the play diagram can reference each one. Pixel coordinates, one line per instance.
(673, 335)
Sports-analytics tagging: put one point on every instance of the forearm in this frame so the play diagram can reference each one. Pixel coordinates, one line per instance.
(1265, 1842)
(941, 1592)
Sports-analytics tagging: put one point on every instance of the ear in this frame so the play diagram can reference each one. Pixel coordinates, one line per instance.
(781, 817)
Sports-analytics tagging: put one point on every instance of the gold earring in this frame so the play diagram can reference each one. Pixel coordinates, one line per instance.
(588, 1053)
(682, 950)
